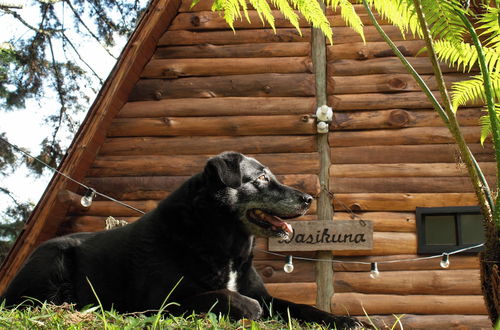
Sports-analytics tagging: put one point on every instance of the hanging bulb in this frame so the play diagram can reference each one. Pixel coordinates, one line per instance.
(374, 273)
(445, 261)
(86, 200)
(288, 267)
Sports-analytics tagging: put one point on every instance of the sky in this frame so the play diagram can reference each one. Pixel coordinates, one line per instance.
(25, 127)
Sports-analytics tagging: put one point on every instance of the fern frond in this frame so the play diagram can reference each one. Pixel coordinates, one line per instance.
(465, 55)
(473, 89)
(313, 13)
(490, 25)
(486, 123)
(351, 18)
(400, 13)
(443, 21)
(230, 10)
(288, 12)
(264, 11)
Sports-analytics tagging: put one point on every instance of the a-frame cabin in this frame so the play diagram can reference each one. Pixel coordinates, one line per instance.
(187, 87)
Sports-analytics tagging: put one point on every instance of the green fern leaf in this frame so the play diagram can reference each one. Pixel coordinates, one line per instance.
(473, 89)
(350, 16)
(264, 11)
(490, 25)
(313, 13)
(400, 13)
(443, 21)
(288, 13)
(486, 123)
(464, 55)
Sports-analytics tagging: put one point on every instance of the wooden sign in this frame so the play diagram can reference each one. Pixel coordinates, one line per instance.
(326, 235)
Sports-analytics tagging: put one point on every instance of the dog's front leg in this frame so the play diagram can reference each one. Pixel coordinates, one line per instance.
(226, 302)
(309, 314)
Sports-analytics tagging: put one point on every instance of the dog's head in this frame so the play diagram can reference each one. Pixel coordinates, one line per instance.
(249, 188)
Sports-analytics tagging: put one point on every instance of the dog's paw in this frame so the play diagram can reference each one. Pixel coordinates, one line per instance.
(252, 309)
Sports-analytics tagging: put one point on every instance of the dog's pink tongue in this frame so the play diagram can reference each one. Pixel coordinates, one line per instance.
(277, 222)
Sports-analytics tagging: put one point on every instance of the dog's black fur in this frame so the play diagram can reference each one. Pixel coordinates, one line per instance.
(200, 237)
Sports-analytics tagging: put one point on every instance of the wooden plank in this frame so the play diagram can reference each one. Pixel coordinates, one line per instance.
(425, 153)
(422, 282)
(402, 201)
(405, 170)
(354, 303)
(404, 136)
(383, 221)
(174, 68)
(270, 49)
(375, 49)
(208, 20)
(227, 37)
(405, 185)
(301, 293)
(212, 126)
(397, 118)
(124, 188)
(295, 163)
(386, 82)
(195, 145)
(383, 65)
(262, 85)
(432, 322)
(219, 106)
(376, 101)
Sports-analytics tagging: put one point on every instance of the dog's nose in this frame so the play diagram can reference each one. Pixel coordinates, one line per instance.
(307, 199)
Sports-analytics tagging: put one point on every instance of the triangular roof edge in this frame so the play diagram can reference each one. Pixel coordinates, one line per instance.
(85, 145)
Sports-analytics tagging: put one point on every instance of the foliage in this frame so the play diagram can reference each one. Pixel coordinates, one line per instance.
(67, 317)
(311, 11)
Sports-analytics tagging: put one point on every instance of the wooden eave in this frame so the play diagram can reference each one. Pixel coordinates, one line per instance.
(51, 209)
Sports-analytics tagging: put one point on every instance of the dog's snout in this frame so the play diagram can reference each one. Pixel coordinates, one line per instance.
(307, 199)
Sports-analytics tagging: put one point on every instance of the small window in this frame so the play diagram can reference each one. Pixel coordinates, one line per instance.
(445, 229)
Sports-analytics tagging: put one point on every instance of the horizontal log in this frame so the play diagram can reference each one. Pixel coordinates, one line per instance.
(431, 322)
(214, 126)
(425, 153)
(227, 37)
(397, 118)
(404, 136)
(269, 84)
(301, 293)
(124, 187)
(384, 243)
(375, 49)
(405, 170)
(348, 67)
(404, 185)
(209, 20)
(386, 82)
(194, 145)
(359, 304)
(402, 201)
(423, 282)
(382, 221)
(223, 106)
(277, 49)
(376, 101)
(174, 68)
(271, 271)
(294, 163)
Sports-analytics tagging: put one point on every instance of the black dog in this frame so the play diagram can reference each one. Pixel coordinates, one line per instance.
(200, 238)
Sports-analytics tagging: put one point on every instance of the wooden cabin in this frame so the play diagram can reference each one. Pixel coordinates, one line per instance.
(187, 87)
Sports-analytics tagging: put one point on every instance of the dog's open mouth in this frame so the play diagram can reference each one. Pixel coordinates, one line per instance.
(270, 222)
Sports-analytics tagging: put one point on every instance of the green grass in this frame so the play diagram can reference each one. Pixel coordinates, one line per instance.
(49, 316)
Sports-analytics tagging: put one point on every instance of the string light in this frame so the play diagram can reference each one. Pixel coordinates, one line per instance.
(86, 200)
(288, 267)
(445, 261)
(374, 273)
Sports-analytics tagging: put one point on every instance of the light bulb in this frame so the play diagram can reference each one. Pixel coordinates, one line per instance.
(374, 273)
(288, 267)
(445, 261)
(86, 200)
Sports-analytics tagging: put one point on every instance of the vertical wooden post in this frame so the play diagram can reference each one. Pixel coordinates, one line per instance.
(324, 269)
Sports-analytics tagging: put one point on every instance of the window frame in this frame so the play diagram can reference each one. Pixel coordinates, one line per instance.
(456, 212)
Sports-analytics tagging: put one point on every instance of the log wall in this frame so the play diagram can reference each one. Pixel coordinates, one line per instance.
(208, 90)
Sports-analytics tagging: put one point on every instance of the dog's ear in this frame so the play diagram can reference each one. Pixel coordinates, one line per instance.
(225, 169)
